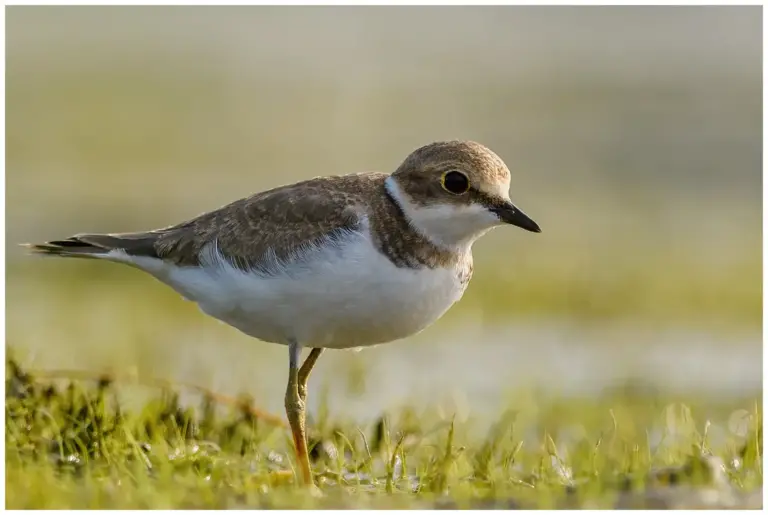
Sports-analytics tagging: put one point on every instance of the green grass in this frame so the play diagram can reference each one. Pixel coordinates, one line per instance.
(72, 444)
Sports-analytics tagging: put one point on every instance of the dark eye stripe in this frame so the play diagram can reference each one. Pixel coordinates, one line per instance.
(485, 199)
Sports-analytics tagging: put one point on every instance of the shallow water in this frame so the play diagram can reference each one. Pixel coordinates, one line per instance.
(476, 368)
(460, 365)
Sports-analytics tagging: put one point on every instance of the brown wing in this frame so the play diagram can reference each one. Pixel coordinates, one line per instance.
(251, 232)
(278, 223)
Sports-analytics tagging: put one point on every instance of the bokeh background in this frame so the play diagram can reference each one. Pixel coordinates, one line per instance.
(634, 136)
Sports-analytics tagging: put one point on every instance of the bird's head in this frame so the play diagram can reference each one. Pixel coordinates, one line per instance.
(453, 192)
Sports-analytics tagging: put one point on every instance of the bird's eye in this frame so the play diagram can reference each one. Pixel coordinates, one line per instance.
(455, 182)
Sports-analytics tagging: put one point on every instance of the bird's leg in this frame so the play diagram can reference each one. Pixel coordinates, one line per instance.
(294, 409)
(304, 372)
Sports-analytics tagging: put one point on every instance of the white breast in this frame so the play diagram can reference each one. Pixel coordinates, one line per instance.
(342, 296)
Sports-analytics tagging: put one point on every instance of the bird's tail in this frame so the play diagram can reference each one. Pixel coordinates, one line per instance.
(99, 246)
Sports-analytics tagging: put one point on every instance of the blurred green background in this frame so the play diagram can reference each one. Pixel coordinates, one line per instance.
(633, 134)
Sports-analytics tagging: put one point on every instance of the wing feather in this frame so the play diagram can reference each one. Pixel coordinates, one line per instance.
(272, 228)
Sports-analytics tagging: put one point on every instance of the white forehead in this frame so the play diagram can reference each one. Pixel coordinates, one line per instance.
(498, 188)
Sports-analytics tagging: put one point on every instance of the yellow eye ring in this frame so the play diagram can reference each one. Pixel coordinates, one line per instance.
(455, 182)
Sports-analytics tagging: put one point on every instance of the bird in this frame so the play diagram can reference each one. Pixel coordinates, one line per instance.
(335, 262)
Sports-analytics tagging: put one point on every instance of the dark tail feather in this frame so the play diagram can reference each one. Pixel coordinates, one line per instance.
(98, 245)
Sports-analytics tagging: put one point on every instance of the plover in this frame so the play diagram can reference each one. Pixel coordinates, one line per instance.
(331, 262)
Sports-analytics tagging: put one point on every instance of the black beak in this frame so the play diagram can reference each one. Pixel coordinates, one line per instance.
(509, 213)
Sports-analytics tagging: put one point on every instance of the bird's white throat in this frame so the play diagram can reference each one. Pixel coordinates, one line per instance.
(447, 225)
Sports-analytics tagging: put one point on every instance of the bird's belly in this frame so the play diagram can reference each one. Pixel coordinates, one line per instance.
(328, 311)
(340, 299)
